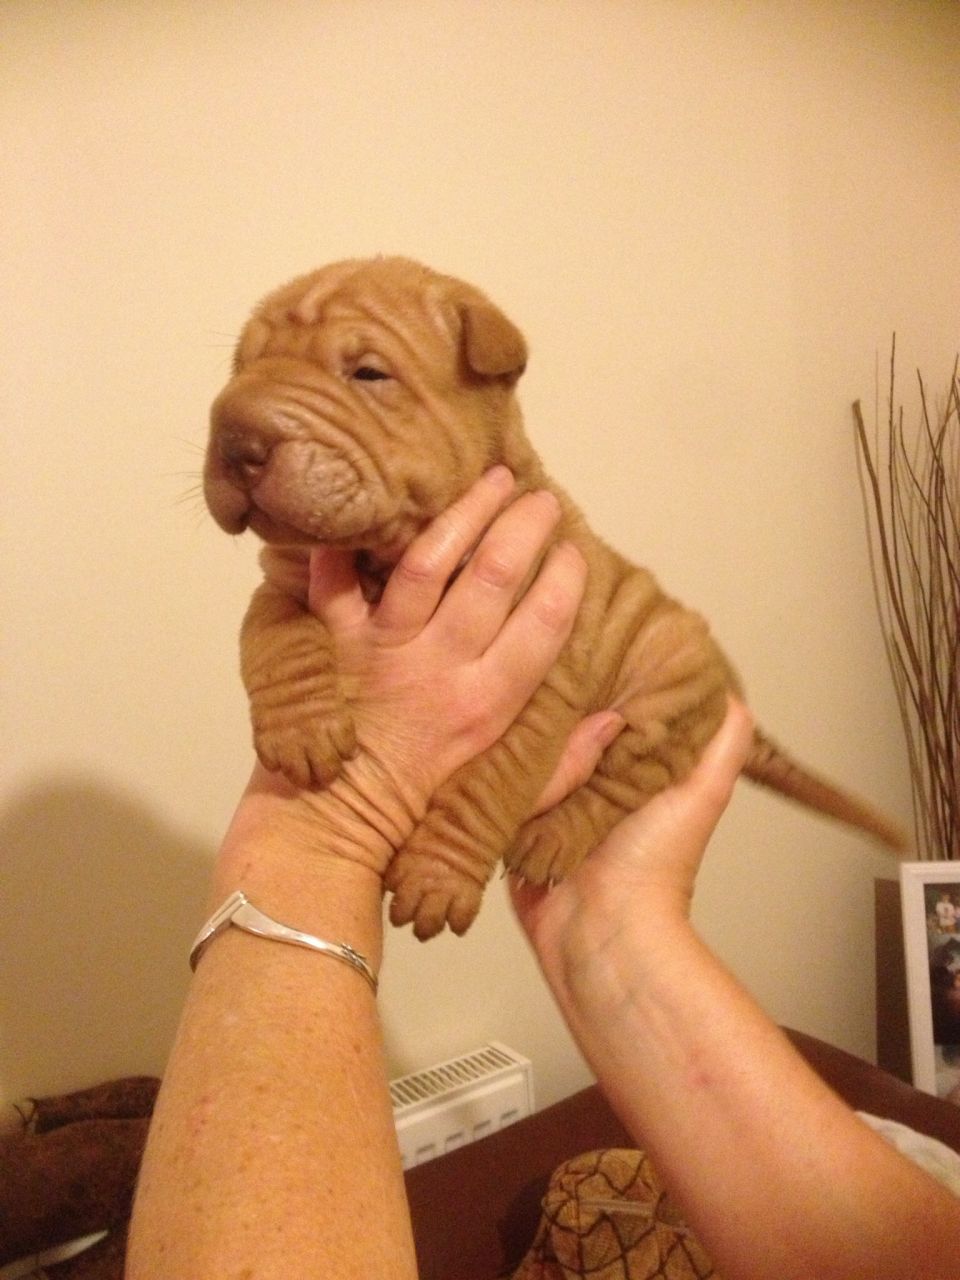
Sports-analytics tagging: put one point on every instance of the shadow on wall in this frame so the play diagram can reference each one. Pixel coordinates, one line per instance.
(98, 906)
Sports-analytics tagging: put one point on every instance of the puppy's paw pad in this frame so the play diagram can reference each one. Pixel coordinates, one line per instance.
(308, 753)
(430, 895)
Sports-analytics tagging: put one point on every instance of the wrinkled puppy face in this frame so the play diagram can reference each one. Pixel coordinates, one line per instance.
(365, 398)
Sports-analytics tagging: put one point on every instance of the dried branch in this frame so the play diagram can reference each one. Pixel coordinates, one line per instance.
(913, 518)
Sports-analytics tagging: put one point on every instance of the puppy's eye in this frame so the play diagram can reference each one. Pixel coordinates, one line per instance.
(367, 373)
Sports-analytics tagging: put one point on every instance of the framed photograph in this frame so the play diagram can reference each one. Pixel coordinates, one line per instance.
(930, 894)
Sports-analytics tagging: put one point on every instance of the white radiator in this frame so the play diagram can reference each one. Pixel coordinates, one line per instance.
(456, 1102)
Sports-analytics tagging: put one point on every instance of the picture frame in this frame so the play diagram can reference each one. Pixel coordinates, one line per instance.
(930, 901)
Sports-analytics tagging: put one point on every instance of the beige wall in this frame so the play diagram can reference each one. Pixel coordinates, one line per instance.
(708, 217)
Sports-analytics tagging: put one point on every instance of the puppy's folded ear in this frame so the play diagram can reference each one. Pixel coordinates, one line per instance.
(493, 346)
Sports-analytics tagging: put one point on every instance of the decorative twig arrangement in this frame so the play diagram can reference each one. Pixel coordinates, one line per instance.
(912, 492)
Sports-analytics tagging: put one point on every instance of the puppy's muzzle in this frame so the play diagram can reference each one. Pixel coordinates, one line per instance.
(247, 422)
(244, 434)
(281, 462)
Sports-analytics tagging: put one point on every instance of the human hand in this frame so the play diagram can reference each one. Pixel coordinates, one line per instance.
(435, 672)
(438, 668)
(642, 874)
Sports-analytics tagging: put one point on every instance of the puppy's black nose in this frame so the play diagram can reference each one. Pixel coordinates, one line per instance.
(243, 451)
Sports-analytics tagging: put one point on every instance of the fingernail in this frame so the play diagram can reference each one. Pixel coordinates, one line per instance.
(574, 553)
(609, 727)
(500, 477)
(550, 498)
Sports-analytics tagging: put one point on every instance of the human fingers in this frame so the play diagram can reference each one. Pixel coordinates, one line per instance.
(530, 641)
(666, 839)
(658, 848)
(334, 593)
(486, 591)
(581, 754)
(703, 796)
(419, 580)
(655, 852)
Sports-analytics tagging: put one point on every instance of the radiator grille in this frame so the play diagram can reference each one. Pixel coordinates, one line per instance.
(447, 1076)
(458, 1101)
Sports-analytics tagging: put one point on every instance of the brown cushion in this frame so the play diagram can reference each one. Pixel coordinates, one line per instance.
(606, 1215)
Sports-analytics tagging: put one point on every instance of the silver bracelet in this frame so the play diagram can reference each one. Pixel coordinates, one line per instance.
(239, 911)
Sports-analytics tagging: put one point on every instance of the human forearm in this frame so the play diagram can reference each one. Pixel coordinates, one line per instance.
(775, 1173)
(273, 1144)
(272, 1152)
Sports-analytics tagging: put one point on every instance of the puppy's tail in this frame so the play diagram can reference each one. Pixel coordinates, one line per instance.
(772, 767)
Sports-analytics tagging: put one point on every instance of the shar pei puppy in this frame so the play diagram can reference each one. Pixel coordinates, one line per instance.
(365, 398)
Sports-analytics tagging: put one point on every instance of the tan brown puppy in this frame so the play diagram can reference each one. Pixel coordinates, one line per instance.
(365, 398)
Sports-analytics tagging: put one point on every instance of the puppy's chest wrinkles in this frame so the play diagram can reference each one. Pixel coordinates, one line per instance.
(423, 392)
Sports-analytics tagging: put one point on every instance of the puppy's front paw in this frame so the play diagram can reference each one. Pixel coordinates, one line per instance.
(310, 753)
(430, 894)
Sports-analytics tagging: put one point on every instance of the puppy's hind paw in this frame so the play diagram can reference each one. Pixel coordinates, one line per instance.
(308, 753)
(543, 852)
(430, 895)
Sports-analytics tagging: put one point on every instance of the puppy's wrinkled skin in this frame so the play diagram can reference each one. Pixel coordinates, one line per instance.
(365, 398)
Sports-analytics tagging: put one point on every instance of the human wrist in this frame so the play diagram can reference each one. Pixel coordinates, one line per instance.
(361, 818)
(607, 960)
(294, 856)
